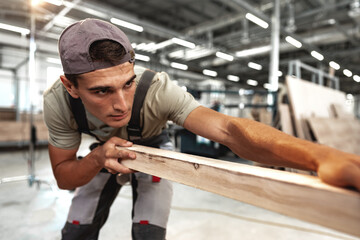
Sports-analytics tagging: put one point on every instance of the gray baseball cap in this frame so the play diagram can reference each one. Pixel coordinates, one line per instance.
(75, 41)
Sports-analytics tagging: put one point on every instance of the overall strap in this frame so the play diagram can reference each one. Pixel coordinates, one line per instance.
(134, 129)
(78, 110)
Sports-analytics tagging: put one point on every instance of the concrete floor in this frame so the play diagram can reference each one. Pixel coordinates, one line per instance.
(39, 213)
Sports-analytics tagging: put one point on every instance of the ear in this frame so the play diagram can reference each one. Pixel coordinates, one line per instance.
(72, 90)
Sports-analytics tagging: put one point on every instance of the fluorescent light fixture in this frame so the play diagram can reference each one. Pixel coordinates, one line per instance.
(257, 20)
(347, 72)
(209, 73)
(280, 73)
(225, 56)
(356, 78)
(54, 2)
(334, 65)
(252, 82)
(134, 45)
(163, 44)
(267, 86)
(241, 105)
(12, 28)
(179, 66)
(128, 25)
(293, 42)
(142, 57)
(317, 55)
(53, 60)
(183, 42)
(255, 66)
(233, 78)
(253, 51)
(349, 96)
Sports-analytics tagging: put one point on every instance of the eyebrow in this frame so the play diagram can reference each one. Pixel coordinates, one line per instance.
(107, 87)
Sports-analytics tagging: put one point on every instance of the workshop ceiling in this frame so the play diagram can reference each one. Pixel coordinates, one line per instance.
(328, 26)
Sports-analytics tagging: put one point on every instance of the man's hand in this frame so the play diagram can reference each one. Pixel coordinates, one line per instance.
(339, 168)
(108, 156)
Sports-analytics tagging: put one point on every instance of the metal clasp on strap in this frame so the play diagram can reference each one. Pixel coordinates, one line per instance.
(134, 133)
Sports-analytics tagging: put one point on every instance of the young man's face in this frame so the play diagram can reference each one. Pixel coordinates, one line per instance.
(108, 94)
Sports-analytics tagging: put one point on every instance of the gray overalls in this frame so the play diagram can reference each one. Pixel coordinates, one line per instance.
(151, 195)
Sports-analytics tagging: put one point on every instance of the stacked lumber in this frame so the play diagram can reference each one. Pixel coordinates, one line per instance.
(319, 114)
(15, 133)
(308, 100)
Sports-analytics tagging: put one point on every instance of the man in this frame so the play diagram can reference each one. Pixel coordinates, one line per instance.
(98, 62)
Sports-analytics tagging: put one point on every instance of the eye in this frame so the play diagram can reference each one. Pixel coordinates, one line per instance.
(128, 84)
(102, 91)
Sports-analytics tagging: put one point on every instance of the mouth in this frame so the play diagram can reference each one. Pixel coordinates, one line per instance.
(118, 117)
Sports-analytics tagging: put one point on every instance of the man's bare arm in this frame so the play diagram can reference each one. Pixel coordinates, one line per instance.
(258, 142)
(71, 173)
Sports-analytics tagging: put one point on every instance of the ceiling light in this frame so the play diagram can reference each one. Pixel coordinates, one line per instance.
(163, 44)
(252, 82)
(349, 96)
(280, 73)
(293, 42)
(53, 60)
(254, 66)
(233, 78)
(183, 42)
(267, 86)
(127, 24)
(317, 55)
(356, 78)
(142, 57)
(334, 65)
(225, 56)
(347, 72)
(23, 31)
(253, 51)
(257, 20)
(209, 73)
(179, 66)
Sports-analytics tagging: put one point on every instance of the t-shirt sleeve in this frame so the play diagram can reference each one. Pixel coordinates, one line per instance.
(58, 121)
(173, 101)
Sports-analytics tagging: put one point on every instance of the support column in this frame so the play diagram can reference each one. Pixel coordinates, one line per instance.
(275, 42)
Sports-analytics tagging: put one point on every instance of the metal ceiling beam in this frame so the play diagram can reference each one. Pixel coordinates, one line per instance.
(62, 13)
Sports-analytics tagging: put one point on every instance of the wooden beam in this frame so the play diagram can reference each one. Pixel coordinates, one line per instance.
(295, 195)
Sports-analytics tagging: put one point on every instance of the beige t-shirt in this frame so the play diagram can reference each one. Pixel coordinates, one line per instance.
(164, 101)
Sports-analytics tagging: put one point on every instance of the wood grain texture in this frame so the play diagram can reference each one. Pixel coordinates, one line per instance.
(308, 99)
(342, 134)
(296, 195)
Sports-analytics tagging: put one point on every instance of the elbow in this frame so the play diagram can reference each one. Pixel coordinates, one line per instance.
(64, 186)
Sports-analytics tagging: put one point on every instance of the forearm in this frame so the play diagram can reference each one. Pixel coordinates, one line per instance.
(261, 143)
(72, 173)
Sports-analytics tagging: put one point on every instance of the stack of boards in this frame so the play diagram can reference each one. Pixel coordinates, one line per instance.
(320, 114)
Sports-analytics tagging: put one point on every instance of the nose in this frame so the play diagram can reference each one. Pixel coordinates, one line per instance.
(119, 102)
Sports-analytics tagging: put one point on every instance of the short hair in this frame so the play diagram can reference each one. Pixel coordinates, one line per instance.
(102, 50)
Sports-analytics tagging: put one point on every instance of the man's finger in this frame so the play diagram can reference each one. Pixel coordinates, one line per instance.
(117, 153)
(120, 142)
(118, 168)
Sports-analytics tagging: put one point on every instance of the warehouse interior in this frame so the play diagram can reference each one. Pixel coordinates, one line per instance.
(293, 65)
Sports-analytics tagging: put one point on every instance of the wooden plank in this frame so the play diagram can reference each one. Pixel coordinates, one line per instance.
(308, 99)
(285, 119)
(342, 134)
(296, 195)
